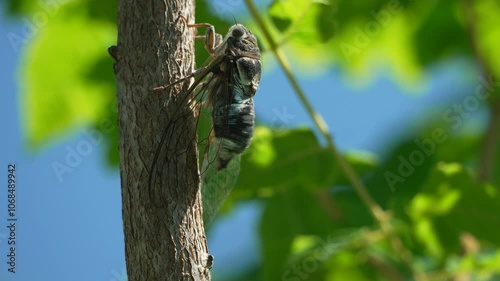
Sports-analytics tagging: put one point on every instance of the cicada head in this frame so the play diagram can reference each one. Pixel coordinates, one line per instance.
(239, 38)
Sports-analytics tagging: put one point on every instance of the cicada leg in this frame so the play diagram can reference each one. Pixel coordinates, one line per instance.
(212, 39)
(191, 75)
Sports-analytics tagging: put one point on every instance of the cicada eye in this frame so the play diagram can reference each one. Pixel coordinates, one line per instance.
(238, 31)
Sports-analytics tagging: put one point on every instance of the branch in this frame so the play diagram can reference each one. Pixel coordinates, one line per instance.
(380, 216)
(163, 225)
(491, 138)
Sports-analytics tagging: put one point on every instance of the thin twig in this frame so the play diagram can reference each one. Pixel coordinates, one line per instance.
(316, 117)
(491, 138)
(490, 145)
(382, 218)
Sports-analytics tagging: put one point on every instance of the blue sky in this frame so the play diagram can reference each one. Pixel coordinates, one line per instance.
(72, 230)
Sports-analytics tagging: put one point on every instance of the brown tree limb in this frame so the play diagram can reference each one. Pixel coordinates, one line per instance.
(163, 225)
(491, 138)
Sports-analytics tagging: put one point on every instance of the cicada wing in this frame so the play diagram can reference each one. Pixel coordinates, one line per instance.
(216, 185)
(195, 95)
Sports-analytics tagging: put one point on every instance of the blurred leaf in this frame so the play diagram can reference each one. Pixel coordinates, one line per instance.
(488, 34)
(287, 215)
(347, 10)
(363, 163)
(251, 274)
(17, 7)
(349, 265)
(401, 176)
(485, 265)
(468, 145)
(326, 21)
(311, 254)
(61, 64)
(496, 167)
(401, 36)
(277, 235)
(301, 22)
(67, 74)
(450, 204)
(285, 158)
(103, 11)
(352, 211)
(382, 41)
(281, 159)
(441, 34)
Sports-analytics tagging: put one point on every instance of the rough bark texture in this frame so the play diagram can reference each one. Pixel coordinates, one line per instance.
(164, 235)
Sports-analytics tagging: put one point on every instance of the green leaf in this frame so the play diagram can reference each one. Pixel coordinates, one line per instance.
(311, 255)
(399, 178)
(60, 66)
(488, 34)
(282, 160)
(285, 158)
(301, 22)
(362, 162)
(277, 235)
(304, 26)
(452, 203)
(468, 145)
(23, 6)
(350, 266)
(441, 21)
(352, 211)
(287, 215)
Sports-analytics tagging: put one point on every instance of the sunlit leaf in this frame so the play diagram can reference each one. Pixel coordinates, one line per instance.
(286, 157)
(300, 20)
(488, 34)
(441, 34)
(287, 215)
(59, 75)
(450, 204)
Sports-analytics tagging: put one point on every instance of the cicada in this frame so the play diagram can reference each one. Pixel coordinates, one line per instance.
(225, 84)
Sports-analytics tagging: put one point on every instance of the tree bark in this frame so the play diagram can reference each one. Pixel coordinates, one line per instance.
(163, 225)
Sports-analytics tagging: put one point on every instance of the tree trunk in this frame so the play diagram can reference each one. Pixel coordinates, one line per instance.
(163, 225)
